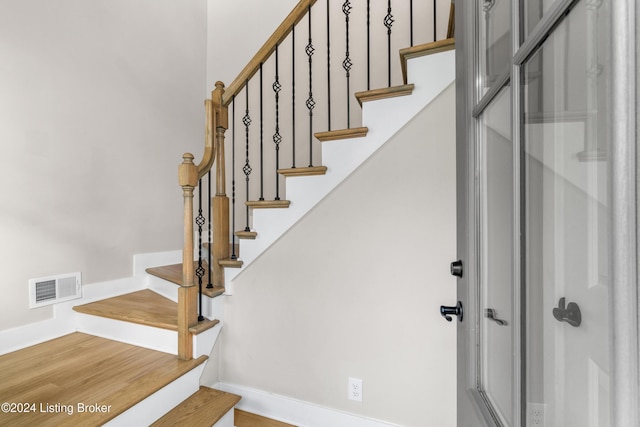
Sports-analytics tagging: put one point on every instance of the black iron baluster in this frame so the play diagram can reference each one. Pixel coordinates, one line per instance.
(346, 64)
(234, 256)
(368, 44)
(293, 95)
(388, 22)
(328, 68)
(246, 120)
(209, 239)
(310, 102)
(277, 138)
(435, 20)
(411, 22)
(200, 221)
(261, 141)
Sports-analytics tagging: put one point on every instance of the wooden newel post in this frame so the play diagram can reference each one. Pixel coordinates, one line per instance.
(187, 295)
(221, 249)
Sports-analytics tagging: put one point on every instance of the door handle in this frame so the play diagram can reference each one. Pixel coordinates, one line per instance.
(570, 314)
(447, 311)
(490, 314)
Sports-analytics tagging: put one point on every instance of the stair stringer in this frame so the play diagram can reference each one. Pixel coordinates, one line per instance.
(431, 75)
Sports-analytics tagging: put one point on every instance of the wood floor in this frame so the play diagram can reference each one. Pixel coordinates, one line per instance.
(62, 381)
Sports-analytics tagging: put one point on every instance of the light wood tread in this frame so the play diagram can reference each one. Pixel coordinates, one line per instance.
(307, 171)
(80, 368)
(247, 419)
(202, 409)
(267, 204)
(143, 307)
(173, 274)
(230, 263)
(246, 234)
(384, 93)
(333, 135)
(423, 50)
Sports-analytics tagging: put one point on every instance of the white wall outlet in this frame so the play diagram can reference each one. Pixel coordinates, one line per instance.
(536, 415)
(355, 389)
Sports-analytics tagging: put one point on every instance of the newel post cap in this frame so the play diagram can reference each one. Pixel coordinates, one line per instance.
(187, 171)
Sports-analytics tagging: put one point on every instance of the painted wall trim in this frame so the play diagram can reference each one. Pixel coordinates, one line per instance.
(294, 411)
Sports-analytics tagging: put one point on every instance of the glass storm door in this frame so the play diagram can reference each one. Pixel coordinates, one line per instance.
(535, 216)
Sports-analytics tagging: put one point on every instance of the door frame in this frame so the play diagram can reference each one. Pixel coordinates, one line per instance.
(624, 198)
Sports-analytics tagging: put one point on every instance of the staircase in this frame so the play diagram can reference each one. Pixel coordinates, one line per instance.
(161, 327)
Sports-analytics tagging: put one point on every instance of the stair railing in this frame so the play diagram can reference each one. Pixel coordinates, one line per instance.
(345, 69)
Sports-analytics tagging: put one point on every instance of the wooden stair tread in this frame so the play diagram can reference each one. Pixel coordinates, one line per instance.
(423, 50)
(266, 204)
(81, 368)
(230, 263)
(384, 93)
(143, 307)
(333, 135)
(307, 171)
(247, 419)
(202, 409)
(173, 272)
(246, 234)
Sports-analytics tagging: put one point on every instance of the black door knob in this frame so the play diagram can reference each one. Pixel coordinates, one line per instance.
(446, 311)
(456, 268)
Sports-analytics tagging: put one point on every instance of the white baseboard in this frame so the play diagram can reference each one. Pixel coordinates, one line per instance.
(65, 320)
(294, 411)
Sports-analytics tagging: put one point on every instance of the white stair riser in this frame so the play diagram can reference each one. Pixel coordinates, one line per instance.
(158, 404)
(130, 333)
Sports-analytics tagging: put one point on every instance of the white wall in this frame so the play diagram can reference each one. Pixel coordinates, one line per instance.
(354, 289)
(98, 101)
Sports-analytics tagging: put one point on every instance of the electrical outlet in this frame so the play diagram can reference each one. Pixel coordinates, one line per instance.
(536, 415)
(355, 389)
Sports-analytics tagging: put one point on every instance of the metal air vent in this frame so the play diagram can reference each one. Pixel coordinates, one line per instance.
(54, 289)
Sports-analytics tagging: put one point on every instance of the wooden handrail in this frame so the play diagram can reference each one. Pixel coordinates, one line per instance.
(298, 12)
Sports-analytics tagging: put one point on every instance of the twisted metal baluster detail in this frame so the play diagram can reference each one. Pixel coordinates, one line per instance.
(310, 102)
(388, 22)
(200, 221)
(347, 64)
(246, 120)
(277, 138)
(234, 256)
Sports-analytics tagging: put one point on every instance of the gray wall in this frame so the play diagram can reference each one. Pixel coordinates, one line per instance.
(98, 101)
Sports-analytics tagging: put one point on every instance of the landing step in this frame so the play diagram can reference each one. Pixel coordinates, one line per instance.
(247, 419)
(173, 273)
(424, 50)
(266, 204)
(84, 369)
(384, 93)
(308, 171)
(142, 307)
(202, 409)
(333, 135)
